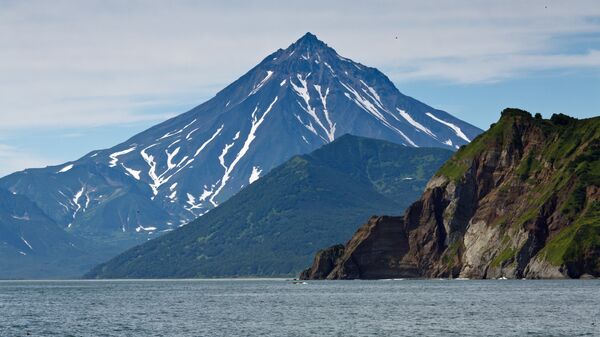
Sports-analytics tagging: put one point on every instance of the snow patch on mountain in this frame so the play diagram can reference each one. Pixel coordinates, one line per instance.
(302, 91)
(371, 109)
(27, 243)
(199, 150)
(134, 173)
(414, 123)
(261, 83)
(456, 129)
(331, 130)
(160, 179)
(66, 168)
(256, 122)
(115, 156)
(256, 171)
(76, 201)
(330, 68)
(170, 156)
(189, 135)
(24, 217)
(178, 131)
(147, 229)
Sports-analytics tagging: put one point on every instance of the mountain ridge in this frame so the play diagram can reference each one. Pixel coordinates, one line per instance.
(293, 102)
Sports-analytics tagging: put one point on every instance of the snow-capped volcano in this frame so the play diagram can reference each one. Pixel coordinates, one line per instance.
(296, 100)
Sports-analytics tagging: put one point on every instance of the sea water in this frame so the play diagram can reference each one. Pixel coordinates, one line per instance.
(282, 308)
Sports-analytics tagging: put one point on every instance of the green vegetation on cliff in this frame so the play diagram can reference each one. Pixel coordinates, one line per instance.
(565, 170)
(521, 200)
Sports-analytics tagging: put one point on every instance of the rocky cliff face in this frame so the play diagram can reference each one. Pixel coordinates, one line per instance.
(522, 200)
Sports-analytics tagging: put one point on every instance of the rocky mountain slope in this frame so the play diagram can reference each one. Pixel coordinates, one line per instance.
(274, 226)
(32, 244)
(522, 200)
(293, 102)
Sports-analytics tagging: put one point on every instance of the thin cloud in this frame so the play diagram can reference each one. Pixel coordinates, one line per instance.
(90, 63)
(496, 68)
(14, 159)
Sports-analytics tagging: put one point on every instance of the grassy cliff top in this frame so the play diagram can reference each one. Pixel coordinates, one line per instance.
(563, 137)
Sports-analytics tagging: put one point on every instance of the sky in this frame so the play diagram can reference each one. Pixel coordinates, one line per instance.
(81, 75)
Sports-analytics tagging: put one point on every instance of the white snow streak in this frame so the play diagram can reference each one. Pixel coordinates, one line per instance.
(27, 243)
(312, 129)
(189, 135)
(344, 59)
(414, 123)
(256, 122)
(260, 85)
(63, 205)
(115, 156)
(175, 142)
(192, 202)
(142, 228)
(159, 180)
(373, 93)
(330, 69)
(87, 200)
(169, 134)
(25, 217)
(170, 156)
(134, 173)
(309, 126)
(372, 109)
(223, 154)
(66, 168)
(256, 171)
(303, 92)
(205, 194)
(149, 159)
(331, 131)
(364, 103)
(208, 141)
(76, 200)
(456, 129)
